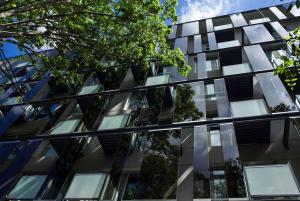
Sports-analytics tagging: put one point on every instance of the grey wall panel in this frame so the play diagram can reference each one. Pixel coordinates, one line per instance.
(191, 28)
(273, 89)
(238, 20)
(222, 98)
(257, 58)
(173, 33)
(201, 65)
(229, 145)
(197, 43)
(258, 34)
(279, 29)
(209, 25)
(212, 42)
(182, 44)
(278, 13)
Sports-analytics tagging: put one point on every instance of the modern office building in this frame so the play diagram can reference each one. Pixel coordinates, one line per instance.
(230, 130)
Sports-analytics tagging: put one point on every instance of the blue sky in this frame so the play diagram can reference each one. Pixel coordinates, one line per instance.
(198, 9)
(189, 10)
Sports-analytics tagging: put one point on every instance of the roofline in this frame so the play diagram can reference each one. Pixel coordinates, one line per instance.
(292, 2)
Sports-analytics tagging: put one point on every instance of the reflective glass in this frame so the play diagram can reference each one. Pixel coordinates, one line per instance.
(67, 126)
(271, 180)
(295, 11)
(248, 108)
(215, 138)
(156, 80)
(238, 20)
(89, 89)
(182, 44)
(191, 28)
(27, 187)
(221, 27)
(236, 69)
(260, 20)
(227, 44)
(86, 186)
(278, 13)
(258, 34)
(111, 122)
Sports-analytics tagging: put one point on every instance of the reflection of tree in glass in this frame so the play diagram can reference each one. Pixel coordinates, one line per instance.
(234, 179)
(114, 77)
(158, 176)
(185, 108)
(201, 185)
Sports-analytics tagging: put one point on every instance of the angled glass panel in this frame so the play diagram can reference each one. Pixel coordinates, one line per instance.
(215, 138)
(67, 126)
(260, 20)
(209, 25)
(236, 69)
(278, 13)
(258, 34)
(173, 33)
(191, 28)
(279, 29)
(86, 185)
(116, 121)
(197, 43)
(271, 180)
(238, 20)
(27, 187)
(228, 44)
(12, 100)
(212, 42)
(181, 43)
(257, 63)
(295, 11)
(156, 80)
(222, 27)
(248, 108)
(90, 89)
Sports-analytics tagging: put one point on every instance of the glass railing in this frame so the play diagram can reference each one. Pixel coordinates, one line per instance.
(236, 69)
(227, 44)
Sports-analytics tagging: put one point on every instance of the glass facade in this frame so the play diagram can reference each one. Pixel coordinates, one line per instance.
(229, 130)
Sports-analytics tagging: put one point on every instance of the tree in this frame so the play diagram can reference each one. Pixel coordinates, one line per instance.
(290, 65)
(125, 32)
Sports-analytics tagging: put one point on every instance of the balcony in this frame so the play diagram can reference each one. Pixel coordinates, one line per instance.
(228, 44)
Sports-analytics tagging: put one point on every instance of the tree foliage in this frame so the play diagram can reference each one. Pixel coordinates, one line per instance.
(290, 65)
(82, 32)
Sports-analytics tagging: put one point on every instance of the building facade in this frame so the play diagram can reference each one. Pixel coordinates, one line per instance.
(230, 130)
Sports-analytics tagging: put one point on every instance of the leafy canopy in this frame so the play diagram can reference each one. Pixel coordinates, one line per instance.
(290, 65)
(83, 31)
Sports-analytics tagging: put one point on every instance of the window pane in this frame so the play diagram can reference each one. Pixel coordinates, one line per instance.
(248, 108)
(271, 180)
(238, 20)
(90, 89)
(236, 69)
(86, 186)
(156, 80)
(278, 13)
(215, 138)
(181, 43)
(295, 11)
(67, 126)
(27, 187)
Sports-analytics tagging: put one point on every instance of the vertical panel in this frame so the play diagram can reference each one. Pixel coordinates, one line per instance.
(197, 43)
(222, 98)
(278, 13)
(258, 33)
(182, 44)
(201, 149)
(273, 89)
(279, 29)
(191, 28)
(229, 145)
(201, 65)
(212, 42)
(173, 33)
(257, 57)
(209, 25)
(238, 20)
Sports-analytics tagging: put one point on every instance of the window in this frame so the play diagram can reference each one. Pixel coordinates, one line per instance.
(215, 138)
(86, 185)
(212, 65)
(191, 28)
(111, 122)
(271, 180)
(248, 108)
(67, 126)
(27, 187)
